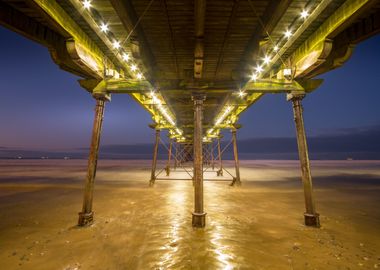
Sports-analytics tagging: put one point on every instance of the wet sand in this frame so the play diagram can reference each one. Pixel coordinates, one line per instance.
(256, 226)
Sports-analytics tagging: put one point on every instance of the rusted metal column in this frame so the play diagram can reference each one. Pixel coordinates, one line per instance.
(212, 156)
(175, 155)
(236, 180)
(220, 171)
(154, 161)
(199, 216)
(87, 215)
(311, 216)
(169, 157)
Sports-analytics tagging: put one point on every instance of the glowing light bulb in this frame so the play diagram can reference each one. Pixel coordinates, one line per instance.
(304, 14)
(254, 77)
(133, 67)
(116, 44)
(266, 59)
(126, 57)
(259, 69)
(104, 27)
(288, 33)
(86, 4)
(275, 48)
(139, 76)
(242, 93)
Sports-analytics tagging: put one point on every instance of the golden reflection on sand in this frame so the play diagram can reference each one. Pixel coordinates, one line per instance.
(176, 198)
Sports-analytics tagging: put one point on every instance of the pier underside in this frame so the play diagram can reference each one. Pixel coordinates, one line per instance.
(196, 66)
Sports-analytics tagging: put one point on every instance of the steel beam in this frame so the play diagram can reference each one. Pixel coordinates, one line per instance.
(199, 216)
(311, 216)
(199, 21)
(154, 160)
(86, 216)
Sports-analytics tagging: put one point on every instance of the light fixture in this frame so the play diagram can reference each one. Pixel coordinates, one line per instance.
(104, 27)
(275, 48)
(304, 14)
(126, 57)
(116, 44)
(259, 69)
(133, 67)
(266, 59)
(242, 93)
(139, 76)
(254, 77)
(86, 4)
(288, 73)
(288, 33)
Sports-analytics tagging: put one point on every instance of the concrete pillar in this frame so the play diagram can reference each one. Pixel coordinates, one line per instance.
(220, 171)
(199, 216)
(169, 157)
(154, 160)
(236, 180)
(86, 216)
(311, 216)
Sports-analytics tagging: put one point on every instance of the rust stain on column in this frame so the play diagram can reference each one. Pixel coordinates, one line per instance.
(154, 161)
(311, 216)
(86, 216)
(199, 216)
(236, 180)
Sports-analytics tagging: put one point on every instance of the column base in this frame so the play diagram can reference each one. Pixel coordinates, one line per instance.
(199, 220)
(167, 170)
(235, 182)
(312, 220)
(219, 172)
(85, 219)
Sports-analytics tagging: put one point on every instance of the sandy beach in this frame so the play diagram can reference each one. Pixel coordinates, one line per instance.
(256, 226)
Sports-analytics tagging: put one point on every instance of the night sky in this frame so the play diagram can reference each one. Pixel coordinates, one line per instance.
(44, 107)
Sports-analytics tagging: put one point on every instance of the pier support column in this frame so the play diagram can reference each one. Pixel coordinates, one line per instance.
(220, 171)
(311, 216)
(169, 157)
(212, 156)
(154, 160)
(175, 155)
(87, 215)
(236, 180)
(199, 216)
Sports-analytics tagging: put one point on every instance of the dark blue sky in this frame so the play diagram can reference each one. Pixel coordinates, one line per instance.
(44, 107)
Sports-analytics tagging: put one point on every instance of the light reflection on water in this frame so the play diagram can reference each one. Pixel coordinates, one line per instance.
(186, 247)
(177, 198)
(221, 251)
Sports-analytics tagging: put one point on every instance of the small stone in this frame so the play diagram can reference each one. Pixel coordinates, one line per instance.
(376, 266)
(296, 246)
(365, 258)
(361, 244)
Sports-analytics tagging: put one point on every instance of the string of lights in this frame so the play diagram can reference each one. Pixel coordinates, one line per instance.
(131, 63)
(273, 54)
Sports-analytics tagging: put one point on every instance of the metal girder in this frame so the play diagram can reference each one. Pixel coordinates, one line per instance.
(272, 86)
(270, 19)
(317, 47)
(199, 25)
(81, 48)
